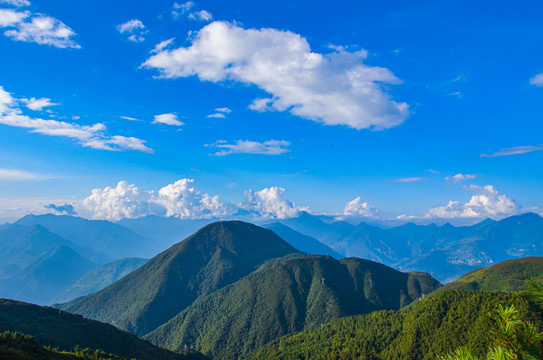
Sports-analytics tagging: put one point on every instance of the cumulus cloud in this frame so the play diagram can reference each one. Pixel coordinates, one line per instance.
(41, 29)
(269, 203)
(168, 119)
(537, 80)
(486, 203)
(270, 147)
(20, 175)
(9, 17)
(65, 209)
(458, 178)
(134, 29)
(94, 136)
(408, 180)
(181, 199)
(38, 104)
(122, 201)
(185, 10)
(356, 207)
(515, 150)
(335, 88)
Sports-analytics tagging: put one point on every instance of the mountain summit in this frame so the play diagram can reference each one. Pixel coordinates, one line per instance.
(215, 256)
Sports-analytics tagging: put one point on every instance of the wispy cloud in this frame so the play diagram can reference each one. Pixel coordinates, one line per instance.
(38, 104)
(336, 88)
(515, 150)
(21, 175)
(168, 119)
(220, 113)
(458, 178)
(270, 147)
(186, 10)
(129, 118)
(407, 180)
(35, 27)
(94, 136)
(134, 29)
(537, 80)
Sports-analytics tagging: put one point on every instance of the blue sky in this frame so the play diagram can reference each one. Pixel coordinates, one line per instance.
(351, 108)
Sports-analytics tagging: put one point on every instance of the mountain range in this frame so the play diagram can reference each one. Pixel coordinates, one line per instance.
(446, 251)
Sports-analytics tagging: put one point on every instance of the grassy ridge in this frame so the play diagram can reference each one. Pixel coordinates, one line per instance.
(511, 275)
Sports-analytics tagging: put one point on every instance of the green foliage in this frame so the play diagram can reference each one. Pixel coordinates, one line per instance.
(17, 346)
(217, 255)
(511, 275)
(285, 296)
(514, 338)
(58, 329)
(439, 324)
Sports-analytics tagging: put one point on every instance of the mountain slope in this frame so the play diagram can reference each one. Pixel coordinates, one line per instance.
(432, 327)
(285, 296)
(166, 231)
(99, 278)
(302, 242)
(52, 272)
(217, 255)
(51, 327)
(511, 275)
(98, 240)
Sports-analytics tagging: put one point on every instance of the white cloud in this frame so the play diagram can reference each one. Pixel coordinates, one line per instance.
(134, 29)
(408, 180)
(201, 15)
(168, 119)
(224, 110)
(20, 175)
(9, 17)
(38, 104)
(458, 178)
(216, 115)
(486, 203)
(515, 150)
(122, 201)
(184, 10)
(336, 88)
(270, 147)
(537, 80)
(220, 113)
(129, 118)
(269, 203)
(93, 136)
(181, 199)
(357, 207)
(43, 30)
(162, 45)
(17, 3)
